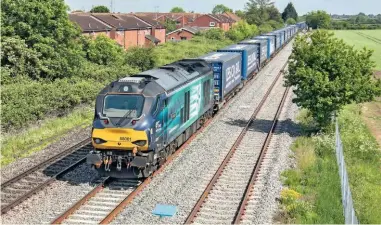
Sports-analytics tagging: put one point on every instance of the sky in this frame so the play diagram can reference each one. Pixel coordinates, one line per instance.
(206, 6)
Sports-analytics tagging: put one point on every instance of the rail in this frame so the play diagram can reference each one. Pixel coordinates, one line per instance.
(241, 208)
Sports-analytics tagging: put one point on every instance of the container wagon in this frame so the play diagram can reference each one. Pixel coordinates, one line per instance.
(270, 44)
(227, 72)
(250, 61)
(262, 49)
(277, 37)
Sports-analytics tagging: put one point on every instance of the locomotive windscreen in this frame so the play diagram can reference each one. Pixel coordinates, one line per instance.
(118, 106)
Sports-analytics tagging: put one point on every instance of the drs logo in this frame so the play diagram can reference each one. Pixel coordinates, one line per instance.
(232, 71)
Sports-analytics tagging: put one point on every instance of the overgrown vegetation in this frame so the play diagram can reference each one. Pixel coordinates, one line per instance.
(16, 146)
(330, 74)
(313, 187)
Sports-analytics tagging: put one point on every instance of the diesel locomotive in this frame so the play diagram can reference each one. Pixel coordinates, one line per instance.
(142, 119)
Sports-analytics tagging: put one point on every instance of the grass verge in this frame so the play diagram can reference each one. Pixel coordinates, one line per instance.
(313, 186)
(36, 138)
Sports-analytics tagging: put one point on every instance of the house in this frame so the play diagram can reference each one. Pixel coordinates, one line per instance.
(232, 16)
(181, 19)
(214, 20)
(90, 25)
(184, 33)
(157, 29)
(127, 30)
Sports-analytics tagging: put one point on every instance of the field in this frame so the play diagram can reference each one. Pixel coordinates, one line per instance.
(364, 38)
(371, 112)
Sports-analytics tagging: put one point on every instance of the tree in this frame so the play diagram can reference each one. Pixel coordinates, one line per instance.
(290, 21)
(258, 12)
(170, 25)
(219, 9)
(274, 14)
(100, 9)
(259, 4)
(177, 10)
(241, 31)
(45, 29)
(329, 74)
(240, 14)
(289, 12)
(318, 19)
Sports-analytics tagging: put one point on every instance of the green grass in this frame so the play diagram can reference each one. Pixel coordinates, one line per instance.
(313, 193)
(353, 37)
(35, 139)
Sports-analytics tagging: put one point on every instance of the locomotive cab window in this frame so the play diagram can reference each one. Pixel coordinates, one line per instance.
(118, 106)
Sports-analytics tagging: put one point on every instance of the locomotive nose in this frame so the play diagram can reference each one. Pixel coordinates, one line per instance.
(119, 139)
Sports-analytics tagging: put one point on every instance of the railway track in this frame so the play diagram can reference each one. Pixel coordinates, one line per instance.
(90, 209)
(19, 188)
(226, 196)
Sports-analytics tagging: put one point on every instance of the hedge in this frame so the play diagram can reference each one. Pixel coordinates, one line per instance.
(25, 100)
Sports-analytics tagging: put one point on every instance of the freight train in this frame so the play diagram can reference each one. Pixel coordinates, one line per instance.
(142, 119)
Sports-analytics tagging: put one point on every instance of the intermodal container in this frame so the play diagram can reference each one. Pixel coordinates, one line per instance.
(261, 51)
(270, 44)
(249, 59)
(278, 40)
(227, 70)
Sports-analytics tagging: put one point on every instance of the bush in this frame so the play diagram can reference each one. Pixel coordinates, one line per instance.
(265, 28)
(104, 51)
(241, 31)
(140, 58)
(214, 34)
(290, 21)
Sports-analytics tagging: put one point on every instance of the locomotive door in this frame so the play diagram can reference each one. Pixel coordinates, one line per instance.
(161, 124)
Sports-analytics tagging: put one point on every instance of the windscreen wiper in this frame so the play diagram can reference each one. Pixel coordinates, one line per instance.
(124, 117)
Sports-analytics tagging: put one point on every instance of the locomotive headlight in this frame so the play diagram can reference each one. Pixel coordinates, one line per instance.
(98, 141)
(140, 142)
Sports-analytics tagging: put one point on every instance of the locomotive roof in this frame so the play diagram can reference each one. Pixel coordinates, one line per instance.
(220, 56)
(163, 79)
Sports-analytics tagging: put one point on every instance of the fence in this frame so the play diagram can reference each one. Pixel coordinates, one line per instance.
(349, 211)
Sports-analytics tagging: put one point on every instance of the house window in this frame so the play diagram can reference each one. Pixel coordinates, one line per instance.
(212, 24)
(172, 38)
(183, 38)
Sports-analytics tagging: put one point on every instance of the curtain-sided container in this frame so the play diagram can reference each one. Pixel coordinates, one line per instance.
(270, 44)
(278, 39)
(250, 62)
(261, 51)
(227, 70)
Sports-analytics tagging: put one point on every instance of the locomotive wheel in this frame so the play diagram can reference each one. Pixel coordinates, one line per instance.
(147, 171)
